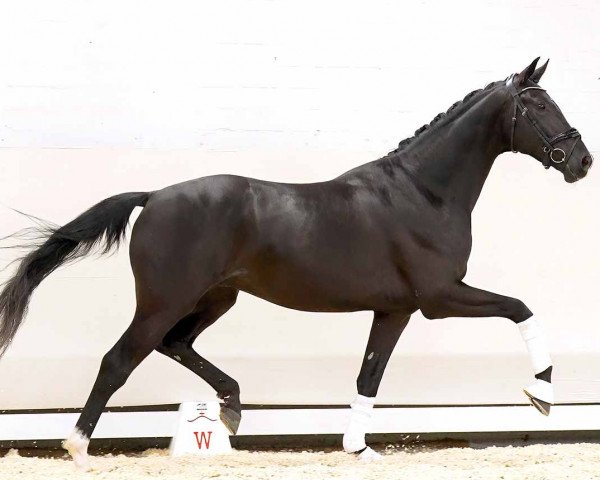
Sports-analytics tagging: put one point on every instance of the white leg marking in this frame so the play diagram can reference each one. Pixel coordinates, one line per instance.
(537, 347)
(77, 445)
(536, 344)
(358, 426)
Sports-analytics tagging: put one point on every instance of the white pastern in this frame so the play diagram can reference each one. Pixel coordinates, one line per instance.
(77, 445)
(359, 424)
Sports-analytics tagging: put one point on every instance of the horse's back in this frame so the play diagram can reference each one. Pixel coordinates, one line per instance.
(319, 246)
(306, 246)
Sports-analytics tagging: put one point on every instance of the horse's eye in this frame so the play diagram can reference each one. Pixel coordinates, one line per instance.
(541, 105)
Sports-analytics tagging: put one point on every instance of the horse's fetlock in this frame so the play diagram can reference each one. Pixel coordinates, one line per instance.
(229, 389)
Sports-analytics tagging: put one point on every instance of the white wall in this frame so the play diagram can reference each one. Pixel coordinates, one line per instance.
(98, 98)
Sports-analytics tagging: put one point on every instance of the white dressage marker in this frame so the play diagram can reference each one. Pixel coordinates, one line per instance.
(200, 431)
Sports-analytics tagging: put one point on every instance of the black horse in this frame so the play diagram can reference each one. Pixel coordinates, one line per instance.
(391, 236)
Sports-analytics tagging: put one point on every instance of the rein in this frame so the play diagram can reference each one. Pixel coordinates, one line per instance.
(549, 143)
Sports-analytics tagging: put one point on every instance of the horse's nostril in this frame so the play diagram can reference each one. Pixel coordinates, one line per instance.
(586, 162)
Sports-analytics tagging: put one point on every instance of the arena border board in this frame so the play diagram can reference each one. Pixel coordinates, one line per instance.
(278, 420)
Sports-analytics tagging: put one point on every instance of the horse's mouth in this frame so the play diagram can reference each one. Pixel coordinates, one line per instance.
(570, 176)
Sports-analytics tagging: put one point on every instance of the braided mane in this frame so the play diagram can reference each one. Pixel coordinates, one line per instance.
(439, 116)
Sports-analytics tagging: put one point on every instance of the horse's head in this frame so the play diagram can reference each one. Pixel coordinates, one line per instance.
(538, 127)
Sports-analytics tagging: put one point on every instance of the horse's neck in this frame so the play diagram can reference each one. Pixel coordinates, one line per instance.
(454, 159)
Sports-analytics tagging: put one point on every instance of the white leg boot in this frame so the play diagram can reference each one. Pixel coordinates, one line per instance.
(77, 445)
(540, 392)
(358, 426)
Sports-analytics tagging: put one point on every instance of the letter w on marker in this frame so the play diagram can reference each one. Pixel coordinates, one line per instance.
(204, 439)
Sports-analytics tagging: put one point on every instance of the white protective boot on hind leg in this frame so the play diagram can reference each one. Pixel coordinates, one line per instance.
(535, 340)
(77, 445)
(358, 426)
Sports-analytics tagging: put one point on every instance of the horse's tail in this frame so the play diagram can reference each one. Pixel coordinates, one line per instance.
(104, 225)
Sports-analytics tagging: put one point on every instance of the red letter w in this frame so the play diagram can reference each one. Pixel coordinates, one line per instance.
(204, 439)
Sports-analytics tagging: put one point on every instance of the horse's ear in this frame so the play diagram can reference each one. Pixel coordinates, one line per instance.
(537, 75)
(528, 72)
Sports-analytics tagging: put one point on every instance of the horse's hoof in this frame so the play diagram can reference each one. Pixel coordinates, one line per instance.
(540, 405)
(77, 445)
(369, 455)
(541, 395)
(231, 419)
(82, 463)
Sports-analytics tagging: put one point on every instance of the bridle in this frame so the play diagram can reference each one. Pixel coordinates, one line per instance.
(553, 154)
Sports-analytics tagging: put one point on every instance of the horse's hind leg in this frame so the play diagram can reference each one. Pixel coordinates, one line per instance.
(178, 251)
(140, 338)
(385, 332)
(177, 344)
(165, 293)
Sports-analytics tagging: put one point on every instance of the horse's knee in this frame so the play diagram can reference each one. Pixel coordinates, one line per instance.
(517, 311)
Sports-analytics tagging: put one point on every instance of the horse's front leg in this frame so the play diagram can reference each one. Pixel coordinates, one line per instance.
(461, 300)
(385, 331)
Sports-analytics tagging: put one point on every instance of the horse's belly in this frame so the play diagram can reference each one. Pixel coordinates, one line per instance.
(326, 289)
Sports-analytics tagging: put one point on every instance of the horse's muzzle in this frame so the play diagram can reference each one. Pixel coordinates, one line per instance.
(586, 162)
(577, 169)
